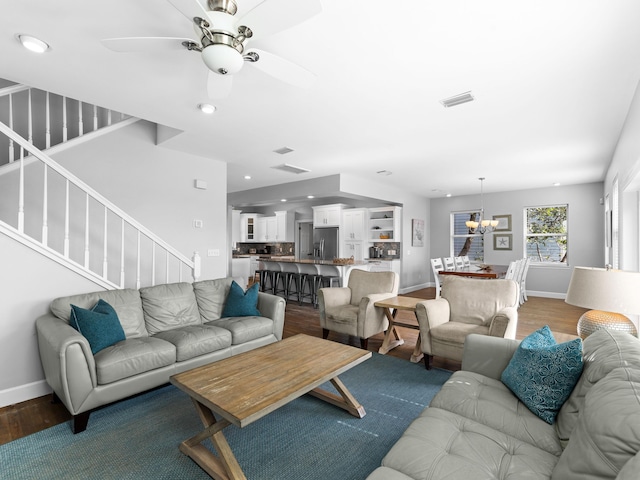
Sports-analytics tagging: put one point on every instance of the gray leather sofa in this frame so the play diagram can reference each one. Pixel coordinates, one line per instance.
(168, 328)
(475, 428)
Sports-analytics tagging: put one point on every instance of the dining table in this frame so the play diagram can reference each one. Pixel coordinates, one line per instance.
(478, 271)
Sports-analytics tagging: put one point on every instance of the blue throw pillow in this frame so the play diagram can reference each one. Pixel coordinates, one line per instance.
(542, 373)
(100, 325)
(241, 304)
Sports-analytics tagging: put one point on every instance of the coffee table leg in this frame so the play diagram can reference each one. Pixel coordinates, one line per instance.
(224, 468)
(388, 343)
(345, 401)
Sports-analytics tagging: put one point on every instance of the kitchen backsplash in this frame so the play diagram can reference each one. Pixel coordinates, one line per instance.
(265, 248)
(389, 249)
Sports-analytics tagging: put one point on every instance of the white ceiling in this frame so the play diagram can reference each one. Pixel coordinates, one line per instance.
(553, 80)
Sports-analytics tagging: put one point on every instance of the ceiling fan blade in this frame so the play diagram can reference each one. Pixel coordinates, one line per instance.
(144, 44)
(273, 16)
(284, 70)
(219, 86)
(189, 8)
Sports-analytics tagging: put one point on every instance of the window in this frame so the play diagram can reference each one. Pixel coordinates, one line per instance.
(462, 241)
(546, 234)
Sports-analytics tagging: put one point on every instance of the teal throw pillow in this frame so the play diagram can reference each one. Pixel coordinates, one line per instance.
(542, 373)
(240, 303)
(100, 325)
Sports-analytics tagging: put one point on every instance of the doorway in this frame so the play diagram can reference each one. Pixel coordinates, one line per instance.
(304, 240)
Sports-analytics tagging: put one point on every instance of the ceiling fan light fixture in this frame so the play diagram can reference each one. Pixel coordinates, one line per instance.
(222, 59)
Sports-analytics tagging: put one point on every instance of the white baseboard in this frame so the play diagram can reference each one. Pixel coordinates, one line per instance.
(560, 296)
(413, 288)
(14, 395)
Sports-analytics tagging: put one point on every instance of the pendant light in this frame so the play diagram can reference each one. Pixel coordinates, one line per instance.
(481, 226)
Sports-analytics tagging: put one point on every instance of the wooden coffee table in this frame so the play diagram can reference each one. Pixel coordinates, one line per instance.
(248, 386)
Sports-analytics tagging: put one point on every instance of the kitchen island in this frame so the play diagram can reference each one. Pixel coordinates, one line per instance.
(319, 267)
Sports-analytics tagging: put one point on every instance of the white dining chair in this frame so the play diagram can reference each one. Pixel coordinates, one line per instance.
(466, 261)
(459, 263)
(449, 264)
(436, 266)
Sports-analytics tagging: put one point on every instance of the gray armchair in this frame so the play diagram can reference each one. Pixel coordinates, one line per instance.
(350, 309)
(466, 305)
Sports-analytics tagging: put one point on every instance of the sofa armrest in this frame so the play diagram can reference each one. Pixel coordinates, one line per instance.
(430, 314)
(272, 306)
(504, 323)
(67, 361)
(487, 355)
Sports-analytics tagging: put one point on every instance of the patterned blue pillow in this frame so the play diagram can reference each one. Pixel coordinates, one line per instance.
(100, 325)
(241, 304)
(542, 373)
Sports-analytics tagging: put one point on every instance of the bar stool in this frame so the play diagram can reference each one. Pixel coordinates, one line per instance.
(264, 275)
(272, 275)
(290, 276)
(308, 282)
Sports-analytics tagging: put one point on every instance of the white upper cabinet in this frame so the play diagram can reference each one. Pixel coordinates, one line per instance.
(285, 227)
(327, 215)
(354, 224)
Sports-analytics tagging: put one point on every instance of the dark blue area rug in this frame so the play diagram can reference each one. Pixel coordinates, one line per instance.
(307, 439)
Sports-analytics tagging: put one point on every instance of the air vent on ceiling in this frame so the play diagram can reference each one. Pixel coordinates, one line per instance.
(284, 150)
(285, 167)
(457, 99)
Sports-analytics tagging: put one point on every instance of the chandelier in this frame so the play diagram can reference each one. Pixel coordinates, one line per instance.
(481, 226)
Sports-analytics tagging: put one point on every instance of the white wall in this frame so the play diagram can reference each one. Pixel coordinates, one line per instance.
(156, 187)
(586, 232)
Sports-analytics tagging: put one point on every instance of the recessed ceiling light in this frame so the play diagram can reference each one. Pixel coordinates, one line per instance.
(32, 43)
(557, 184)
(310, 196)
(247, 177)
(207, 108)
(448, 195)
(283, 199)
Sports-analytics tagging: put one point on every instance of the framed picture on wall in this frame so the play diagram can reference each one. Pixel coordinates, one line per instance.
(417, 232)
(504, 223)
(502, 241)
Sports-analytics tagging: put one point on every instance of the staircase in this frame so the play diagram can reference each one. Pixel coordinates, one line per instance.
(47, 208)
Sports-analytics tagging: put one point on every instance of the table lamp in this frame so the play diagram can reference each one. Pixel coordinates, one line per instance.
(610, 293)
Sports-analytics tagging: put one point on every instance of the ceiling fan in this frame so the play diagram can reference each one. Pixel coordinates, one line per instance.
(223, 38)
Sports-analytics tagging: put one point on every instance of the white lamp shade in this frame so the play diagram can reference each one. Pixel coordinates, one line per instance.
(607, 290)
(222, 59)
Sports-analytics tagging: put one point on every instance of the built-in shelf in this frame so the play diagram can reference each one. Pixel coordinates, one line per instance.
(385, 224)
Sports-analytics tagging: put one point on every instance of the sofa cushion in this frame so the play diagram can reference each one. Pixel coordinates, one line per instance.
(245, 329)
(195, 340)
(607, 434)
(169, 306)
(126, 302)
(630, 469)
(603, 351)
(99, 325)
(543, 373)
(240, 303)
(131, 357)
(211, 296)
(488, 401)
(443, 445)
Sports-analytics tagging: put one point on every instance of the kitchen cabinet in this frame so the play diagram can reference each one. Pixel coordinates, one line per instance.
(327, 215)
(384, 266)
(249, 227)
(353, 224)
(266, 229)
(353, 249)
(236, 227)
(385, 224)
(285, 226)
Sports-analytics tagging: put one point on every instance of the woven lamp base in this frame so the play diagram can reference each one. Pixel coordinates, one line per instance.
(596, 319)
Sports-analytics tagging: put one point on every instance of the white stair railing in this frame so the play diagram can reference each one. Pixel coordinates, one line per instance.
(44, 204)
(46, 119)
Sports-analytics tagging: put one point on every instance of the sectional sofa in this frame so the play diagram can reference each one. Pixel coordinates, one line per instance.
(167, 329)
(476, 428)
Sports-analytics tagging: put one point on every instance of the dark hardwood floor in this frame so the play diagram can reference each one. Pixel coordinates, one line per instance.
(28, 417)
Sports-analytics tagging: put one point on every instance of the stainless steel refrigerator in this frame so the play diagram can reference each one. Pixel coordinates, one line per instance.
(325, 243)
